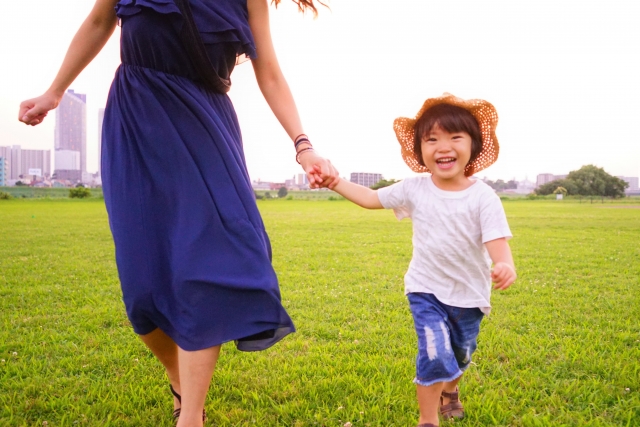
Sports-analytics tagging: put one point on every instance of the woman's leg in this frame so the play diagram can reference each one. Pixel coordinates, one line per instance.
(166, 350)
(196, 370)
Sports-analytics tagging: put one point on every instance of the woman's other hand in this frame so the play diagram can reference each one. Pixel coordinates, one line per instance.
(320, 172)
(33, 111)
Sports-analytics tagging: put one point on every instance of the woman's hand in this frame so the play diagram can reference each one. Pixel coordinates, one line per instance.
(33, 111)
(320, 172)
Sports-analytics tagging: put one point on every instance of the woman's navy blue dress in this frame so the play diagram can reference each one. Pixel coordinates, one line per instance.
(193, 256)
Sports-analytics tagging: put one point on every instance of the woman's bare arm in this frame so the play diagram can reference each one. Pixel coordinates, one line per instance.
(276, 92)
(89, 40)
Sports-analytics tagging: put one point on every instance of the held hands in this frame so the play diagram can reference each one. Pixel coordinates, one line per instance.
(503, 275)
(320, 172)
(33, 111)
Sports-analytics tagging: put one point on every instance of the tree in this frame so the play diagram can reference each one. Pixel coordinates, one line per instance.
(383, 183)
(560, 190)
(282, 192)
(589, 180)
(79, 193)
(550, 187)
(500, 185)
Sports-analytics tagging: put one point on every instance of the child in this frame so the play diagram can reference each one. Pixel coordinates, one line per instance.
(457, 222)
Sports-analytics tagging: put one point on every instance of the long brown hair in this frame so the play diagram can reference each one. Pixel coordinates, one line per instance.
(304, 5)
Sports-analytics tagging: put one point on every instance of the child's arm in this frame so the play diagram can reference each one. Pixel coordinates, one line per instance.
(362, 196)
(504, 271)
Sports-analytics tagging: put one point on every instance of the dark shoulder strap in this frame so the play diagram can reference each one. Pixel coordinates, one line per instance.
(197, 52)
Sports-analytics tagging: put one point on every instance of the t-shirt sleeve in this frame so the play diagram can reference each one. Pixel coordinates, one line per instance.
(396, 197)
(493, 219)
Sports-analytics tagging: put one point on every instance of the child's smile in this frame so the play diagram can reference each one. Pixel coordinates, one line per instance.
(446, 162)
(446, 155)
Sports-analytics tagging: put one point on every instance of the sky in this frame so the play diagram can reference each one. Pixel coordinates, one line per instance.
(563, 75)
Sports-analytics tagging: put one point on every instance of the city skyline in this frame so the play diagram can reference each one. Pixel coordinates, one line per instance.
(559, 109)
(70, 141)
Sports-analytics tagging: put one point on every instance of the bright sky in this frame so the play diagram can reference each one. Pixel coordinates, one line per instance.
(563, 75)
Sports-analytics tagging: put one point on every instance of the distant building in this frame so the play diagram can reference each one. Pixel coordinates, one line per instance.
(88, 179)
(544, 178)
(19, 163)
(261, 185)
(365, 179)
(71, 133)
(3, 172)
(302, 180)
(633, 187)
(74, 176)
(5, 153)
(67, 160)
(524, 187)
(100, 121)
(276, 185)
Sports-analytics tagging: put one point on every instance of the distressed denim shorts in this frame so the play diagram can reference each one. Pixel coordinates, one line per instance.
(446, 338)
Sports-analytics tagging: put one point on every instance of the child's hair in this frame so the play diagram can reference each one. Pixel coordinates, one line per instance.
(450, 118)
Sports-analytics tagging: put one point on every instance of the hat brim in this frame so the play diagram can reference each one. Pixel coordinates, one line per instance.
(484, 112)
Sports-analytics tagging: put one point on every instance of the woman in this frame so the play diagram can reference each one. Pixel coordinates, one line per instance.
(193, 257)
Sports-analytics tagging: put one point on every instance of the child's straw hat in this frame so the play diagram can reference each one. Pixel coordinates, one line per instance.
(483, 111)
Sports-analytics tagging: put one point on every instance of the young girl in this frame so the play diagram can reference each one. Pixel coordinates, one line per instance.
(457, 222)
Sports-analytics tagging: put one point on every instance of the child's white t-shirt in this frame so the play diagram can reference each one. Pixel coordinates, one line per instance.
(449, 231)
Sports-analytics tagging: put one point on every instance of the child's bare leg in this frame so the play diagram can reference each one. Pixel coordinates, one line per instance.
(450, 387)
(166, 351)
(429, 402)
(196, 370)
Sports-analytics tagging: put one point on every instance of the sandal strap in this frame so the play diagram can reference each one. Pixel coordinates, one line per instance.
(175, 393)
(454, 395)
(176, 413)
(427, 425)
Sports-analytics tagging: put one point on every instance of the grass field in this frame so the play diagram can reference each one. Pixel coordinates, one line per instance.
(561, 348)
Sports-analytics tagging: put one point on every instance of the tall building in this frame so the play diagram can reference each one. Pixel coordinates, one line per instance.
(365, 179)
(5, 153)
(71, 134)
(544, 178)
(19, 162)
(633, 184)
(3, 172)
(100, 121)
(302, 179)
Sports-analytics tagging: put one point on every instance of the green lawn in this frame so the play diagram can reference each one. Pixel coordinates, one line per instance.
(561, 348)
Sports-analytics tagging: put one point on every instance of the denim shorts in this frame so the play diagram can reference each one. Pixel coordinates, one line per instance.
(446, 338)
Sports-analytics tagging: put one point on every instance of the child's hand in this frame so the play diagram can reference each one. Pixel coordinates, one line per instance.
(503, 275)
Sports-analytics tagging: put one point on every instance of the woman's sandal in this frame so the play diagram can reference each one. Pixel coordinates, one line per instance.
(454, 408)
(176, 412)
(427, 425)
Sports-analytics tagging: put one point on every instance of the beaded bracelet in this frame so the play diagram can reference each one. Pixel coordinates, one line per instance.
(302, 151)
(302, 141)
(302, 134)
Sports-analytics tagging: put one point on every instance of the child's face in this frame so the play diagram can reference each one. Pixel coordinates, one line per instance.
(446, 155)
